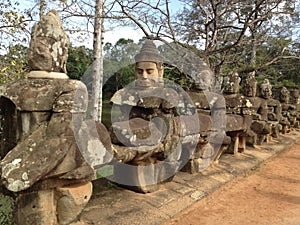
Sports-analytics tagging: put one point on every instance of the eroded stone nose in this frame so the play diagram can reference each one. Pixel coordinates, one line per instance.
(144, 74)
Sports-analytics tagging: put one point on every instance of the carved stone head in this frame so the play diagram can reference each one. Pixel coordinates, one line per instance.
(48, 50)
(231, 83)
(284, 95)
(250, 85)
(149, 66)
(204, 80)
(266, 89)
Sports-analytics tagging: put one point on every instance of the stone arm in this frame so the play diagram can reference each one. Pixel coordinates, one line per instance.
(32, 159)
(42, 153)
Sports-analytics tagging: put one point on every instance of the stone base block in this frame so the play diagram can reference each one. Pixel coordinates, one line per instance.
(144, 178)
(60, 206)
(71, 201)
(37, 208)
(197, 165)
(139, 178)
(200, 162)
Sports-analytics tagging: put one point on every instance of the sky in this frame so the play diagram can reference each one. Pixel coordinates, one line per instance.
(111, 36)
(114, 35)
(122, 32)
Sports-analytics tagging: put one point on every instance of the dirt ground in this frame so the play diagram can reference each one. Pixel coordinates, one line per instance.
(270, 195)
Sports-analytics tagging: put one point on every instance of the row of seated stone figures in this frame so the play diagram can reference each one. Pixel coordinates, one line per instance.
(166, 130)
(49, 150)
(268, 114)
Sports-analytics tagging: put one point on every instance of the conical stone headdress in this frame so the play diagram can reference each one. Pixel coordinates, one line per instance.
(48, 50)
(149, 53)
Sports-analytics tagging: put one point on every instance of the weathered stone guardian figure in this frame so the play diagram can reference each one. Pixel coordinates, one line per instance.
(210, 109)
(238, 121)
(274, 108)
(40, 159)
(145, 138)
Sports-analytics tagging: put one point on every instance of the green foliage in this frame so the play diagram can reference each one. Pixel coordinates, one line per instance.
(118, 80)
(79, 60)
(288, 83)
(285, 70)
(12, 24)
(7, 206)
(14, 64)
(266, 47)
(173, 74)
(119, 65)
(123, 51)
(106, 112)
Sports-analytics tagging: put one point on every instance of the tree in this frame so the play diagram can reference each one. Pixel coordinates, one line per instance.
(153, 18)
(79, 60)
(226, 34)
(223, 31)
(98, 62)
(13, 64)
(12, 25)
(119, 68)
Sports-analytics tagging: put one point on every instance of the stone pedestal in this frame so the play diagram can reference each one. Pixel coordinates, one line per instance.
(38, 207)
(60, 206)
(71, 201)
(201, 158)
(144, 178)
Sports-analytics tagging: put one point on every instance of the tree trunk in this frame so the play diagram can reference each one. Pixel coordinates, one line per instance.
(253, 29)
(98, 62)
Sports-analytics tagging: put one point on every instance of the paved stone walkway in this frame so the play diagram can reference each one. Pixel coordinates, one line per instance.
(111, 205)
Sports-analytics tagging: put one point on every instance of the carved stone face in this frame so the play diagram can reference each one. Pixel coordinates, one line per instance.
(148, 74)
(266, 92)
(250, 86)
(204, 80)
(284, 95)
(232, 84)
(266, 89)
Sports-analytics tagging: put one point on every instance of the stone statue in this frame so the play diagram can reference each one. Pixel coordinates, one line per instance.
(274, 107)
(284, 95)
(40, 156)
(48, 50)
(231, 83)
(258, 109)
(266, 89)
(250, 85)
(210, 110)
(267, 113)
(238, 119)
(204, 79)
(145, 140)
(289, 111)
